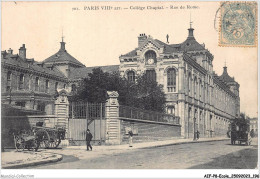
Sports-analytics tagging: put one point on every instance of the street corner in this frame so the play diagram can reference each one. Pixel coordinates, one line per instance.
(15, 159)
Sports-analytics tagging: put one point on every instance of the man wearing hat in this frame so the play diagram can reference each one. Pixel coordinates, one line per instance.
(88, 139)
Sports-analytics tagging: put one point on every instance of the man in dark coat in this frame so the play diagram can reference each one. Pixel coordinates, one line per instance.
(88, 139)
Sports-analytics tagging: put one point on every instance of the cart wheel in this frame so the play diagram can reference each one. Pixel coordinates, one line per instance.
(43, 138)
(54, 143)
(19, 144)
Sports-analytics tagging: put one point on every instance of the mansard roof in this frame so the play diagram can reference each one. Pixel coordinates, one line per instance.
(62, 56)
(225, 76)
(14, 60)
(167, 48)
(79, 73)
(218, 80)
(190, 44)
(131, 53)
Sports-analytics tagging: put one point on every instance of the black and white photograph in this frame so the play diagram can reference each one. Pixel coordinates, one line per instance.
(129, 85)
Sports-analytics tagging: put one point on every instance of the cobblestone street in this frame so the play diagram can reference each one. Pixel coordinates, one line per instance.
(211, 155)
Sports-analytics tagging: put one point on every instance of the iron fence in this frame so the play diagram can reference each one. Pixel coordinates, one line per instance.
(84, 110)
(136, 113)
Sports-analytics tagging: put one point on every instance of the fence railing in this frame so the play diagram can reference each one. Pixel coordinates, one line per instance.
(136, 113)
(84, 110)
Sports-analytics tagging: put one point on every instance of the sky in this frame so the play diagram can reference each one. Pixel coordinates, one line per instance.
(97, 36)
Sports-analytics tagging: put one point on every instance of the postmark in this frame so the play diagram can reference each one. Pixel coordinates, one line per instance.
(238, 24)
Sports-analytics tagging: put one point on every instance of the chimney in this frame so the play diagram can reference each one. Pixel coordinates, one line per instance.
(22, 52)
(141, 39)
(3, 54)
(10, 51)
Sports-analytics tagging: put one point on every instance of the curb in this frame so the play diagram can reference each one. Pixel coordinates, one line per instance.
(57, 158)
(186, 142)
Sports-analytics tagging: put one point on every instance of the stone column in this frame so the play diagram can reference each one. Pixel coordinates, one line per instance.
(113, 135)
(62, 113)
(181, 97)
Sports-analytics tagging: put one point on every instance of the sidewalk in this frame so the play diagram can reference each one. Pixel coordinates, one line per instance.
(13, 159)
(148, 144)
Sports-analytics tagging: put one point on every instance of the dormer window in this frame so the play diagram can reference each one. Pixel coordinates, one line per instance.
(150, 57)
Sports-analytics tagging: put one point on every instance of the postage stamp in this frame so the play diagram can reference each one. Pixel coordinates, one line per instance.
(238, 24)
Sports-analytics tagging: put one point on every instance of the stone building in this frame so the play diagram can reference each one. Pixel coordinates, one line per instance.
(29, 84)
(203, 100)
(254, 125)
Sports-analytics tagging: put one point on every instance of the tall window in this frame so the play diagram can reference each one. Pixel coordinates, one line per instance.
(64, 86)
(73, 88)
(21, 81)
(9, 77)
(37, 84)
(171, 80)
(151, 75)
(47, 86)
(195, 87)
(171, 110)
(56, 86)
(131, 76)
(189, 83)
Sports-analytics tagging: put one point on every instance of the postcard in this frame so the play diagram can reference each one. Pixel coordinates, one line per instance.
(129, 85)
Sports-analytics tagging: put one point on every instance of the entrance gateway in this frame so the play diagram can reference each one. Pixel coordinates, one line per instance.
(83, 116)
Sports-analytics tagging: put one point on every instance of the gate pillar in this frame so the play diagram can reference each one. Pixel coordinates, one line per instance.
(112, 119)
(62, 112)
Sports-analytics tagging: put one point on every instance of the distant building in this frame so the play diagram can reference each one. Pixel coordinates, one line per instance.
(203, 100)
(254, 125)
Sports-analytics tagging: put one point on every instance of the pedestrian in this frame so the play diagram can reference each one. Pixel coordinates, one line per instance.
(130, 138)
(198, 135)
(88, 139)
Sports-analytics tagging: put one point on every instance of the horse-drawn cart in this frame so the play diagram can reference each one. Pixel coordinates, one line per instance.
(240, 133)
(39, 137)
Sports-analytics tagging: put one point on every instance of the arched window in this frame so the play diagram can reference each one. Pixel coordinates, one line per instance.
(150, 57)
(21, 81)
(151, 75)
(73, 88)
(64, 86)
(171, 110)
(195, 87)
(9, 77)
(47, 86)
(37, 84)
(131, 76)
(171, 80)
(200, 90)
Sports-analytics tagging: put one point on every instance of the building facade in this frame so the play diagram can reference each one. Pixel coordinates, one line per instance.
(28, 84)
(204, 101)
(254, 125)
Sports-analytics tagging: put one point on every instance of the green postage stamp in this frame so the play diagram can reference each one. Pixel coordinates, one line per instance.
(238, 24)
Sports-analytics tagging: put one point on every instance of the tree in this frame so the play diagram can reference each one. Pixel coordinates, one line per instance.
(143, 93)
